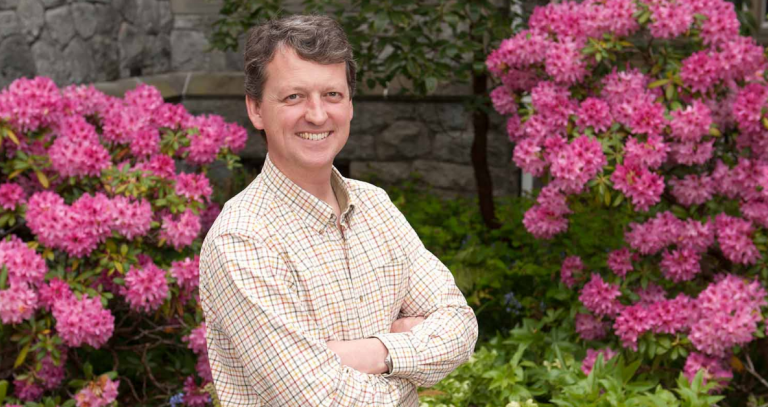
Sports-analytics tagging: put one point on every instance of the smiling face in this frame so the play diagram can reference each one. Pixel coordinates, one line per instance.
(305, 110)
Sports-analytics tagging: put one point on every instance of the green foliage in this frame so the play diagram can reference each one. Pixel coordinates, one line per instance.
(422, 43)
(538, 363)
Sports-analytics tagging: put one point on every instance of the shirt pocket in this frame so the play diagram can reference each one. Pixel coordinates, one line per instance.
(317, 297)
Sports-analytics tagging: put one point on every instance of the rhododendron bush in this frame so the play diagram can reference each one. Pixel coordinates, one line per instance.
(104, 201)
(658, 109)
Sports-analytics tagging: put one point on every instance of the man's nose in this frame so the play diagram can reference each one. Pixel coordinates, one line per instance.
(316, 113)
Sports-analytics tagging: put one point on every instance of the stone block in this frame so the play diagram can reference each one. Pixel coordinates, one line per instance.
(157, 54)
(453, 146)
(196, 6)
(166, 16)
(170, 85)
(374, 116)
(130, 42)
(148, 16)
(32, 16)
(77, 58)
(83, 16)
(189, 52)
(16, 60)
(8, 4)
(117, 88)
(445, 175)
(9, 24)
(107, 18)
(53, 3)
(194, 22)
(105, 57)
(60, 24)
(255, 147)
(216, 84)
(48, 59)
(443, 117)
(499, 147)
(359, 147)
(381, 171)
(506, 180)
(403, 139)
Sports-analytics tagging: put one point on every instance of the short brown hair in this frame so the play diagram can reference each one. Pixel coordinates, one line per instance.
(314, 38)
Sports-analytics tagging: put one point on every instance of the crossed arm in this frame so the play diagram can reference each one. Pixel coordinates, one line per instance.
(367, 355)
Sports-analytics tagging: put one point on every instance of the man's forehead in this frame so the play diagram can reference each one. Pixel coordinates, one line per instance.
(295, 72)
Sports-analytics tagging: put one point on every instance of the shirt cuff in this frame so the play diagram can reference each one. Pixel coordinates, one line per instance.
(404, 361)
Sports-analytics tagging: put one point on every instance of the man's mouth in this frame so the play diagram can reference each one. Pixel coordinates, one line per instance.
(314, 136)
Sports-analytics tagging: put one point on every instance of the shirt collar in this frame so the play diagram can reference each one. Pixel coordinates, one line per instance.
(315, 213)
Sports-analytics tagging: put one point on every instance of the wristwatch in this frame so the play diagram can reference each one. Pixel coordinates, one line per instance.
(388, 362)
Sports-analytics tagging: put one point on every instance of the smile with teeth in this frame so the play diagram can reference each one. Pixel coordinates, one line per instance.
(314, 136)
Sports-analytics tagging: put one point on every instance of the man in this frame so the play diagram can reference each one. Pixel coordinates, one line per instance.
(316, 290)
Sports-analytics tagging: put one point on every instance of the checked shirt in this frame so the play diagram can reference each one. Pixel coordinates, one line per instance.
(278, 279)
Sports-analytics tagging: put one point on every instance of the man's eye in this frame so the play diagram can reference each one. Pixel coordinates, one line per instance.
(292, 97)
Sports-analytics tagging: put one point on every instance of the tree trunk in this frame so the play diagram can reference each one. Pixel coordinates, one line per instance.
(480, 123)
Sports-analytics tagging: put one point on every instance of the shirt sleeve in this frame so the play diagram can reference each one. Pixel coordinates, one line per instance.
(447, 337)
(262, 346)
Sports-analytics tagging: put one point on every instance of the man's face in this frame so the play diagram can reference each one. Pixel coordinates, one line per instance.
(305, 111)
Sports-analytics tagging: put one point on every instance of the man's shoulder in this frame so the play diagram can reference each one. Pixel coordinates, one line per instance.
(368, 194)
(246, 214)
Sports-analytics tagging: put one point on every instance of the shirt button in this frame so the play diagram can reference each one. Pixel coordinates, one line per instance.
(361, 298)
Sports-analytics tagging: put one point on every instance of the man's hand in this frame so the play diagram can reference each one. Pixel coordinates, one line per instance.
(363, 355)
(405, 324)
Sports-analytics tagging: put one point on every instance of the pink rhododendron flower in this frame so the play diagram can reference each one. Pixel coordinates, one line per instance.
(695, 235)
(77, 151)
(211, 132)
(740, 57)
(651, 294)
(578, 162)
(52, 374)
(701, 71)
(715, 369)
(620, 261)
(519, 79)
(669, 19)
(547, 218)
(83, 100)
(612, 16)
(27, 390)
(564, 61)
(721, 25)
(735, 238)
(589, 362)
(562, 19)
(655, 234)
(647, 117)
(196, 340)
(553, 103)
(194, 396)
(756, 211)
(595, 113)
(693, 189)
(17, 303)
(514, 128)
(55, 291)
(145, 97)
(208, 217)
(131, 219)
(235, 137)
(160, 165)
(145, 142)
(98, 393)
(691, 123)
(691, 153)
(182, 232)
(571, 265)
(590, 328)
(747, 107)
(24, 265)
(528, 156)
(11, 195)
(631, 323)
(186, 272)
(194, 187)
(29, 104)
(730, 311)
(503, 100)
(170, 115)
(520, 51)
(600, 297)
(673, 316)
(145, 288)
(650, 153)
(83, 321)
(642, 186)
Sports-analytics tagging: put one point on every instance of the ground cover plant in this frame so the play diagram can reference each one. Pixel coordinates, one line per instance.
(103, 203)
(656, 110)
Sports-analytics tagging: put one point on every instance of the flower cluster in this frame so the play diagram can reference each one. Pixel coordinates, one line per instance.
(111, 197)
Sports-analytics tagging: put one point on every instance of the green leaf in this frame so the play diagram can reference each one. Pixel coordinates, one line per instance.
(660, 82)
(431, 84)
(3, 390)
(22, 356)
(3, 277)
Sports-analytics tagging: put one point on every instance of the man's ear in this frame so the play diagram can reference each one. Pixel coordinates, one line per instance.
(254, 113)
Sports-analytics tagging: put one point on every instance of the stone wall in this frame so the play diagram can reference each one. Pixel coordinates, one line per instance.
(120, 43)
(80, 41)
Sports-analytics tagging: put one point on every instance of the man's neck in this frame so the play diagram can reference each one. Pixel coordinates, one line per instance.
(316, 181)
